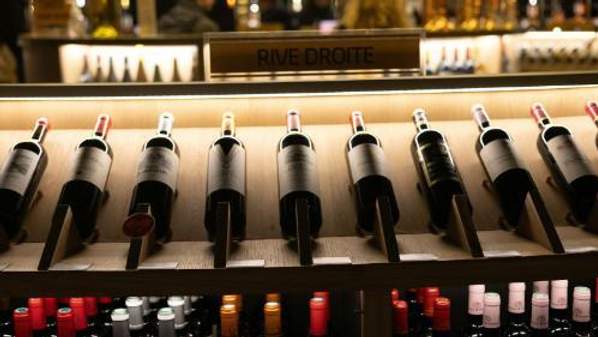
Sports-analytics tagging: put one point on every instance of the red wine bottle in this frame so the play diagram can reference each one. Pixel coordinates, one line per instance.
(430, 296)
(226, 180)
(560, 326)
(22, 322)
(369, 174)
(569, 167)
(491, 315)
(582, 324)
(65, 323)
(297, 178)
(436, 168)
(592, 111)
(20, 176)
(80, 318)
(38, 317)
(516, 327)
(84, 189)
(105, 307)
(539, 315)
(441, 326)
(475, 311)
(504, 168)
(318, 320)
(400, 319)
(120, 322)
(94, 324)
(153, 195)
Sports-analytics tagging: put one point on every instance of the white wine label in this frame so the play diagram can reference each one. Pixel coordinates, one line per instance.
(297, 170)
(491, 316)
(475, 302)
(91, 165)
(158, 164)
(581, 310)
(18, 170)
(226, 170)
(367, 160)
(539, 319)
(572, 162)
(499, 157)
(517, 302)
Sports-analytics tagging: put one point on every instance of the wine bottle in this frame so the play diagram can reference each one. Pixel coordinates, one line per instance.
(166, 318)
(93, 321)
(560, 326)
(441, 326)
(6, 325)
(181, 326)
(443, 68)
(469, 63)
(146, 309)
(176, 76)
(141, 76)
(111, 74)
(539, 315)
(137, 326)
(22, 322)
(516, 326)
(156, 184)
(127, 73)
(80, 318)
(84, 189)
(50, 308)
(592, 111)
(297, 178)
(38, 317)
(19, 178)
(226, 180)
(318, 322)
(120, 322)
(400, 319)
(541, 287)
(99, 75)
(504, 168)
(475, 311)
(414, 311)
(272, 320)
(229, 321)
(436, 168)
(105, 306)
(369, 174)
(491, 315)
(65, 323)
(157, 74)
(569, 167)
(581, 325)
(430, 296)
(86, 76)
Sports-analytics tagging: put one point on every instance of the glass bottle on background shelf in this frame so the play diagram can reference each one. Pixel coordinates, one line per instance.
(318, 320)
(177, 303)
(137, 326)
(120, 322)
(542, 287)
(475, 311)
(491, 315)
(105, 18)
(105, 306)
(65, 323)
(111, 74)
(539, 315)
(492, 17)
(166, 318)
(86, 75)
(99, 75)
(50, 16)
(93, 321)
(516, 326)
(560, 326)
(413, 310)
(430, 296)
(157, 74)
(141, 76)
(510, 19)
(581, 318)
(176, 75)
(127, 72)
(443, 68)
(470, 15)
(126, 23)
(595, 309)
(400, 319)
(38, 317)
(441, 326)
(469, 65)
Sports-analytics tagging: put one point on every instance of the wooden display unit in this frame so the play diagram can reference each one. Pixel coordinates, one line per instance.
(344, 260)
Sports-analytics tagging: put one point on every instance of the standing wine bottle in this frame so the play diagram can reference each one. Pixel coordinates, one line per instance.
(569, 167)
(137, 326)
(111, 73)
(105, 307)
(151, 202)
(504, 168)
(229, 321)
(65, 323)
(592, 111)
(166, 319)
(99, 75)
(582, 325)
(226, 180)
(157, 74)
(120, 322)
(84, 189)
(318, 322)
(272, 320)
(475, 311)
(516, 327)
(400, 319)
(80, 318)
(22, 322)
(176, 75)
(297, 178)
(141, 76)
(430, 296)
(560, 326)
(436, 168)
(491, 315)
(441, 326)
(86, 76)
(369, 174)
(414, 310)
(541, 287)
(38, 317)
(127, 73)
(6, 325)
(539, 315)
(20, 176)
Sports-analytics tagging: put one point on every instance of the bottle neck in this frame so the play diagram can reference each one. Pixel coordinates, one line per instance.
(475, 320)
(516, 318)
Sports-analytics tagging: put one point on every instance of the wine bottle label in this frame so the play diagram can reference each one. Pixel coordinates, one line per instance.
(569, 158)
(367, 160)
(516, 302)
(437, 162)
(18, 170)
(226, 170)
(91, 165)
(539, 319)
(475, 303)
(581, 310)
(491, 317)
(499, 157)
(158, 164)
(297, 170)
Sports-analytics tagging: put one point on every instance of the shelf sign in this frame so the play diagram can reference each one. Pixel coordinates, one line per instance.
(247, 55)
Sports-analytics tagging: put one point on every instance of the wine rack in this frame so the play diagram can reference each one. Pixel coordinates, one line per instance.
(264, 261)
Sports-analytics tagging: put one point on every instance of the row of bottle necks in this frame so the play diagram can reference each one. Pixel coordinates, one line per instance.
(298, 181)
(461, 62)
(538, 309)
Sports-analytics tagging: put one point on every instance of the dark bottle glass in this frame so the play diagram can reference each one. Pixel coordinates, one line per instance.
(414, 311)
(475, 311)
(94, 323)
(436, 168)
(595, 308)
(430, 296)
(6, 326)
(120, 322)
(19, 178)
(441, 326)
(491, 315)
(65, 323)
(105, 307)
(297, 178)
(38, 317)
(400, 319)
(516, 326)
(22, 322)
(504, 169)
(84, 189)
(560, 326)
(50, 309)
(369, 174)
(539, 315)
(153, 195)
(226, 180)
(137, 326)
(581, 320)
(592, 111)
(569, 167)
(181, 326)
(80, 318)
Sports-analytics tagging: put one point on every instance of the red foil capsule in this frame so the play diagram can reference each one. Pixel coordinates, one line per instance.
(430, 297)
(22, 322)
(442, 314)
(91, 306)
(36, 311)
(78, 307)
(400, 318)
(318, 322)
(50, 306)
(65, 323)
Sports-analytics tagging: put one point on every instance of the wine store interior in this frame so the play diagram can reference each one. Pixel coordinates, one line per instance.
(298, 168)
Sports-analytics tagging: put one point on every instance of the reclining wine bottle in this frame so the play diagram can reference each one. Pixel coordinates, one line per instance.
(226, 180)
(438, 175)
(153, 195)
(592, 110)
(20, 176)
(569, 167)
(297, 178)
(84, 189)
(369, 174)
(504, 168)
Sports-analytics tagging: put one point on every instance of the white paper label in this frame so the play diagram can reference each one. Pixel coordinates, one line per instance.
(158, 164)
(539, 318)
(492, 316)
(18, 170)
(581, 310)
(476, 303)
(91, 165)
(517, 302)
